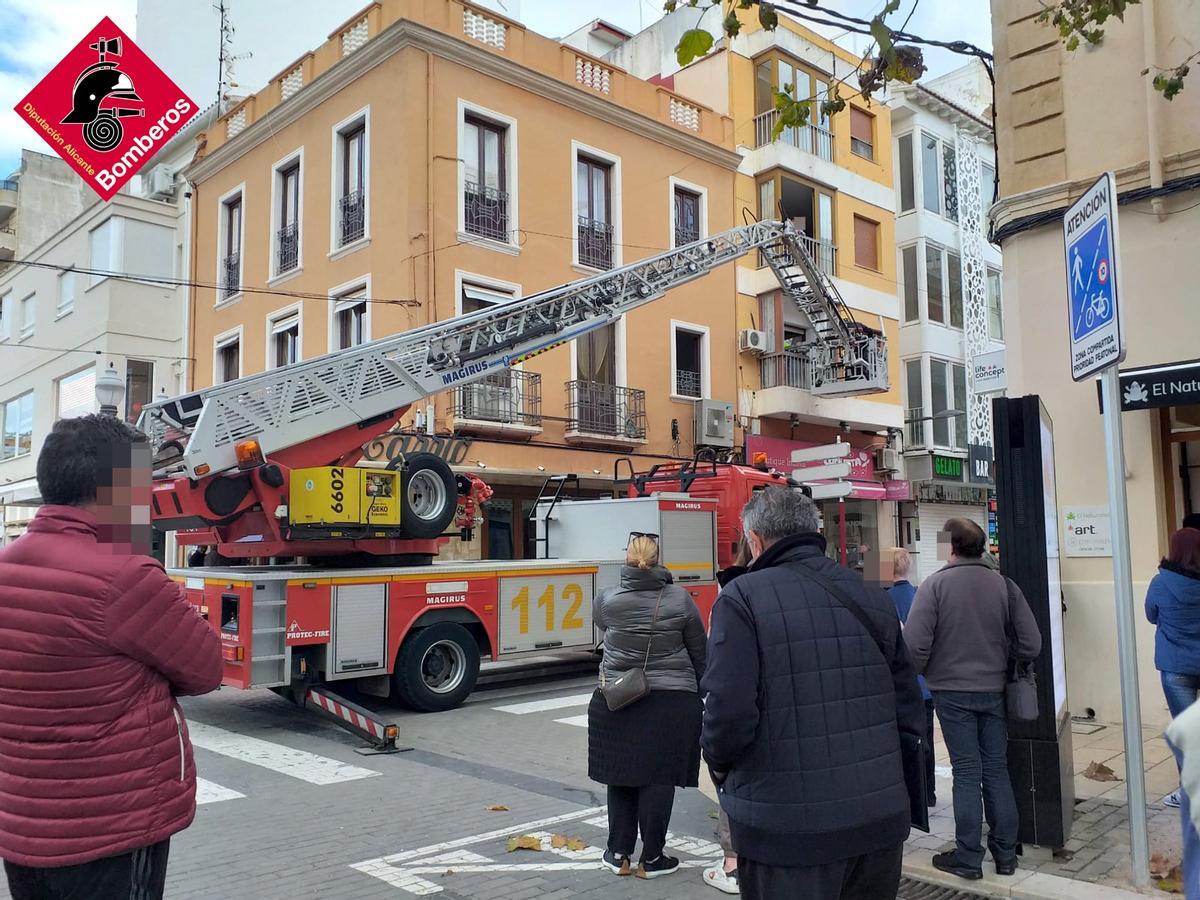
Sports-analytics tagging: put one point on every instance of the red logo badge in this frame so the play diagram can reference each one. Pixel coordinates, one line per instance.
(106, 108)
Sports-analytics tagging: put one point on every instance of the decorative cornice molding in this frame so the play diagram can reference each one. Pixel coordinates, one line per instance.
(406, 33)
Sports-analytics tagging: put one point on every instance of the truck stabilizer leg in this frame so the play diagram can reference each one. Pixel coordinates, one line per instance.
(355, 719)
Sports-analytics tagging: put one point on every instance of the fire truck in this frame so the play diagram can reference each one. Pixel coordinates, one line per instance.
(268, 467)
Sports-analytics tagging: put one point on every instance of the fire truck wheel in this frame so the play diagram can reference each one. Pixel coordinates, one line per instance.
(436, 667)
(429, 496)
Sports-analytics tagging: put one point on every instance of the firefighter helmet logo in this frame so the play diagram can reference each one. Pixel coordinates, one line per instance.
(106, 108)
(100, 82)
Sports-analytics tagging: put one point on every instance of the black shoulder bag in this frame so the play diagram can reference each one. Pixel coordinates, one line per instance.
(630, 687)
(912, 746)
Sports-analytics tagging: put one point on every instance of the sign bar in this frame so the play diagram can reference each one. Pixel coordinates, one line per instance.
(821, 453)
(822, 473)
(838, 490)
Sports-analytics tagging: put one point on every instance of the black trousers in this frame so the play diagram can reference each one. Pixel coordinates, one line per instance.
(930, 762)
(872, 876)
(646, 809)
(137, 875)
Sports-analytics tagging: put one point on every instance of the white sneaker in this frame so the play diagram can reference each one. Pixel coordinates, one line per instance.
(1172, 799)
(726, 882)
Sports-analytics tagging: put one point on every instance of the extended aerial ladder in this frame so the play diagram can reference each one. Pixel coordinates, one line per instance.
(229, 458)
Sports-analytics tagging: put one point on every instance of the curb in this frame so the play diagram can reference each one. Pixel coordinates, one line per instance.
(1025, 885)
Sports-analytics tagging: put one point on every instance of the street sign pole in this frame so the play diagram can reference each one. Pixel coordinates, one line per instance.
(1097, 342)
(1135, 770)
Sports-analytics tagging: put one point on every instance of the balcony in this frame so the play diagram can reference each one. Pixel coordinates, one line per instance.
(485, 211)
(231, 275)
(688, 384)
(352, 217)
(809, 138)
(786, 369)
(507, 403)
(605, 415)
(8, 242)
(822, 253)
(791, 389)
(8, 196)
(686, 233)
(595, 243)
(287, 248)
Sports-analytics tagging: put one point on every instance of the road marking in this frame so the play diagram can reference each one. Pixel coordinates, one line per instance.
(276, 757)
(210, 792)
(578, 721)
(533, 706)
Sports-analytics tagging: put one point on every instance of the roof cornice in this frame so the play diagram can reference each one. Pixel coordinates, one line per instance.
(406, 33)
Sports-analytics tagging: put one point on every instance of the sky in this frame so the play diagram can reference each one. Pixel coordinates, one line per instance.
(35, 34)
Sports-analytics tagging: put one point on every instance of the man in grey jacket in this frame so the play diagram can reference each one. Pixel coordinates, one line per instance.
(957, 635)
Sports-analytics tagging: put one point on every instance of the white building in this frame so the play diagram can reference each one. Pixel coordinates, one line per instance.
(951, 304)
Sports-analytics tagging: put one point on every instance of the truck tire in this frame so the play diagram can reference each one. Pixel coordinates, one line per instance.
(428, 496)
(436, 667)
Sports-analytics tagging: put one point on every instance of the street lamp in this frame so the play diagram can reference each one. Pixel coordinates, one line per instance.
(110, 388)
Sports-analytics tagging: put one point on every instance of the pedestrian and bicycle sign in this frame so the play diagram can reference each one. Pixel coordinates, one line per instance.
(1089, 233)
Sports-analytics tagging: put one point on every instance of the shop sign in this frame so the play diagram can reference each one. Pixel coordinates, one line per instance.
(1086, 531)
(779, 455)
(942, 492)
(947, 467)
(989, 372)
(897, 489)
(979, 461)
(1155, 387)
(395, 446)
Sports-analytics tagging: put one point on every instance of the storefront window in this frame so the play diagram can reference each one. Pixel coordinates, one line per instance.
(862, 530)
(499, 529)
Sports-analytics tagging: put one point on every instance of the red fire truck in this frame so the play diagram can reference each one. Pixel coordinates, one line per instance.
(269, 467)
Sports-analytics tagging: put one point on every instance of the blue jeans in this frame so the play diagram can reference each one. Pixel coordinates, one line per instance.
(975, 727)
(1181, 692)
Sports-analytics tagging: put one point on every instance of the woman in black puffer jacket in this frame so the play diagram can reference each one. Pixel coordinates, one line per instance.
(642, 752)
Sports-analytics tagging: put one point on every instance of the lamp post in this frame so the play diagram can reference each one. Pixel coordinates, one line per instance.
(110, 388)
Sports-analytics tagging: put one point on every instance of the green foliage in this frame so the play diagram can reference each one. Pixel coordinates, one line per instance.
(732, 24)
(767, 17)
(693, 45)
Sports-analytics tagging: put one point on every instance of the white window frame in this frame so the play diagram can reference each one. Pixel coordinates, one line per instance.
(918, 248)
(26, 330)
(58, 389)
(116, 250)
(339, 293)
(701, 331)
(8, 312)
(60, 308)
(619, 338)
(922, 361)
(917, 197)
(363, 115)
(3, 425)
(294, 310)
(223, 340)
(511, 181)
(487, 282)
(927, 388)
(702, 192)
(222, 232)
(615, 212)
(988, 271)
(153, 373)
(274, 276)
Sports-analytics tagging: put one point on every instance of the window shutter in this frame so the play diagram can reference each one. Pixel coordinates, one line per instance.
(76, 395)
(862, 125)
(866, 243)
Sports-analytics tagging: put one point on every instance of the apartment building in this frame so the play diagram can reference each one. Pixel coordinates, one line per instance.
(951, 300)
(35, 201)
(433, 158)
(1064, 118)
(833, 179)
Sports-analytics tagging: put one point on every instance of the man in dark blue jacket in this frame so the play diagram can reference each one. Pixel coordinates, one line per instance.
(803, 714)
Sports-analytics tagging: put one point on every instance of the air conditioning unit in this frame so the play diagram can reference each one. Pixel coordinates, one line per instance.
(887, 460)
(751, 341)
(714, 424)
(161, 181)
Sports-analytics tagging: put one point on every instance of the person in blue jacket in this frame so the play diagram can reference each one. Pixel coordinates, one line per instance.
(902, 593)
(1173, 605)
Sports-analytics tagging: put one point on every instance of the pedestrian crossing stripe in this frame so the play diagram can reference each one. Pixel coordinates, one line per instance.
(408, 870)
(210, 792)
(299, 764)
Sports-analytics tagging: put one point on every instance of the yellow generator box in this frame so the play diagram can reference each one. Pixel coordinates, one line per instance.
(331, 495)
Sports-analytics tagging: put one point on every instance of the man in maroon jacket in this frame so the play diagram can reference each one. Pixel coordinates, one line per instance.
(96, 769)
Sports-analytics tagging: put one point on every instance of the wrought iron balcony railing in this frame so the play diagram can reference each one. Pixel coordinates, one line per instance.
(509, 397)
(688, 384)
(485, 211)
(352, 217)
(231, 275)
(606, 410)
(287, 248)
(595, 243)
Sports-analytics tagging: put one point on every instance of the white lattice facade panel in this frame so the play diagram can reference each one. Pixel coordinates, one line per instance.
(235, 124)
(292, 82)
(975, 299)
(354, 37)
(593, 75)
(685, 114)
(483, 29)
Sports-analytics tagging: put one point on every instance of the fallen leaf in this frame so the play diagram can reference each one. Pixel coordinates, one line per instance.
(497, 807)
(559, 841)
(447, 872)
(713, 814)
(1098, 771)
(523, 842)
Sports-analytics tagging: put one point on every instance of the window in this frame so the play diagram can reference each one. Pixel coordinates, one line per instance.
(285, 340)
(905, 164)
(948, 385)
(28, 316)
(987, 189)
(231, 247)
(794, 338)
(477, 297)
(914, 413)
(350, 178)
(866, 243)
(139, 387)
(287, 238)
(66, 292)
(687, 216)
(350, 320)
(16, 437)
(596, 356)
(908, 266)
(954, 293)
(939, 384)
(485, 186)
(950, 173)
(76, 394)
(933, 284)
(995, 306)
(228, 358)
(778, 73)
(593, 185)
(7, 312)
(931, 185)
(862, 133)
(959, 378)
(104, 250)
(689, 354)
(808, 208)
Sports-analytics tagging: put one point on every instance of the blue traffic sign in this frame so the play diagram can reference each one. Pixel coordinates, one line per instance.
(1091, 282)
(1093, 302)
